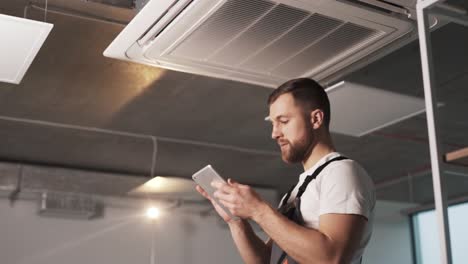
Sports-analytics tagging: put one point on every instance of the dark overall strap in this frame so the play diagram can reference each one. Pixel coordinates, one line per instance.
(308, 179)
(302, 189)
(288, 194)
(314, 175)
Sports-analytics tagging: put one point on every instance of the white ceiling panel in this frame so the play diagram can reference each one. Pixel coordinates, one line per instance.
(21, 40)
(358, 110)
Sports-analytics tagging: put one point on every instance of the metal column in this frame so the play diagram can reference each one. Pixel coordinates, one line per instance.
(440, 195)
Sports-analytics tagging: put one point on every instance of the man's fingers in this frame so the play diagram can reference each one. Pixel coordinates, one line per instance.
(229, 206)
(237, 185)
(216, 184)
(221, 186)
(202, 192)
(200, 189)
(224, 196)
(233, 183)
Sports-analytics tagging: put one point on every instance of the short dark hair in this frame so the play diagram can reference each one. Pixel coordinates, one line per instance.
(309, 93)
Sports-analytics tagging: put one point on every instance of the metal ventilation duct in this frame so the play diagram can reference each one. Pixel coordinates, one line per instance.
(68, 205)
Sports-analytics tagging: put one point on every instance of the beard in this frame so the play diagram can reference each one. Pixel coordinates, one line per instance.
(300, 150)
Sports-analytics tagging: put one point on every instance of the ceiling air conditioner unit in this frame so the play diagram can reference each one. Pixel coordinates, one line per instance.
(264, 42)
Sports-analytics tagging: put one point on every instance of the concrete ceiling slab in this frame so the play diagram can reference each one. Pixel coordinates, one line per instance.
(202, 120)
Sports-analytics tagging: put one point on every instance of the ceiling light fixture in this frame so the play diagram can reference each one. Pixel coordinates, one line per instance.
(153, 213)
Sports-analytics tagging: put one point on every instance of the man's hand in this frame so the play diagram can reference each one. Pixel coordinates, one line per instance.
(250, 246)
(218, 209)
(240, 199)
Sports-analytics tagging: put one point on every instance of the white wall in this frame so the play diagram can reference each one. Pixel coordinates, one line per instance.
(391, 238)
(124, 236)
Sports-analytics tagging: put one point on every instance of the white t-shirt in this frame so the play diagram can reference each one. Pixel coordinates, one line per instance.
(342, 187)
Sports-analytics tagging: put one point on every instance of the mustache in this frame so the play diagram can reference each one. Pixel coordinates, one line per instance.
(282, 142)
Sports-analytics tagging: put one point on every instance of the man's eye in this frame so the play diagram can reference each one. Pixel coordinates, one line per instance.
(283, 121)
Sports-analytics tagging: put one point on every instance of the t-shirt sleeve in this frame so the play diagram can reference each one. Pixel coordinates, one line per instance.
(346, 189)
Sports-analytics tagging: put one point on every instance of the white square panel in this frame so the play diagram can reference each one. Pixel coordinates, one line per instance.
(357, 110)
(21, 39)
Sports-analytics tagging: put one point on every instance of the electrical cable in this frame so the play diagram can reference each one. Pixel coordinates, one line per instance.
(45, 10)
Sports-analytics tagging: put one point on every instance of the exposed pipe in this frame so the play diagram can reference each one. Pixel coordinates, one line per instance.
(45, 10)
(430, 206)
(419, 172)
(138, 135)
(15, 193)
(155, 152)
(410, 188)
(456, 173)
(154, 139)
(93, 129)
(411, 138)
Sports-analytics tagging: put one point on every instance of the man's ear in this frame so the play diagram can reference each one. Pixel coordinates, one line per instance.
(317, 118)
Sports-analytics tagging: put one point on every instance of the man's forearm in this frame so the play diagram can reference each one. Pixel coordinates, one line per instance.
(251, 248)
(303, 244)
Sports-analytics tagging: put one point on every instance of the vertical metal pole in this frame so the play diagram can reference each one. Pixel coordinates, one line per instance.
(440, 198)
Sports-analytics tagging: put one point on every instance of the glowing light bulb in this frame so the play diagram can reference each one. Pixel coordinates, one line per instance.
(156, 183)
(152, 213)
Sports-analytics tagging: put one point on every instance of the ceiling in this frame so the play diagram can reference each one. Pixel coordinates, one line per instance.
(77, 109)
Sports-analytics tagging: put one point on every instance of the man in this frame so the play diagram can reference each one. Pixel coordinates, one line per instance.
(327, 217)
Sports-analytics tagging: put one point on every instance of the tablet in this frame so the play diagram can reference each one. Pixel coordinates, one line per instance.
(204, 178)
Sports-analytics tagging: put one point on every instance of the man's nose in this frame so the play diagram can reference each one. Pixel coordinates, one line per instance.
(275, 132)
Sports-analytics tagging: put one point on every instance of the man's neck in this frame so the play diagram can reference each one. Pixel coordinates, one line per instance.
(321, 149)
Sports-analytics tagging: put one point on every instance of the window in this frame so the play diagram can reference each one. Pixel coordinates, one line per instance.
(426, 235)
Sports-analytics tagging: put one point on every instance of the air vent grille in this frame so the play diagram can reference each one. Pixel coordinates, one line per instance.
(67, 205)
(263, 42)
(299, 37)
(259, 35)
(272, 39)
(228, 21)
(339, 43)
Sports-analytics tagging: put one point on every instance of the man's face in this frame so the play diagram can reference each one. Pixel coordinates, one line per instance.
(292, 129)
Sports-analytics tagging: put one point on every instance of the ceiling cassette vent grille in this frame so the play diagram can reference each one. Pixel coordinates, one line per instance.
(255, 41)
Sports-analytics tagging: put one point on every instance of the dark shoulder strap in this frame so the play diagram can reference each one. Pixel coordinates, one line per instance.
(288, 194)
(308, 179)
(314, 175)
